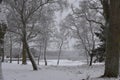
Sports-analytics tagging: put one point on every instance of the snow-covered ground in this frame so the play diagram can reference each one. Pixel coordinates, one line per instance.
(68, 70)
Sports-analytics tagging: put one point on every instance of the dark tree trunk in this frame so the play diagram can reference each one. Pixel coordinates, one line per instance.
(91, 60)
(3, 56)
(112, 57)
(31, 57)
(3, 28)
(10, 48)
(45, 49)
(18, 59)
(24, 57)
(11, 54)
(26, 48)
(39, 54)
(19, 54)
(113, 40)
(45, 59)
(2, 34)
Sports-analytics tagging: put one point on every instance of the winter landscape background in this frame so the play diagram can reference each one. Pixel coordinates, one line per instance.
(59, 39)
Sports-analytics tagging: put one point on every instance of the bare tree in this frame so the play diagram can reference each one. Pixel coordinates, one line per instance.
(23, 12)
(83, 29)
(11, 47)
(3, 28)
(60, 38)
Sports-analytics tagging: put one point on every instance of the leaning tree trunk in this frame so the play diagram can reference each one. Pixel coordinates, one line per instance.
(26, 48)
(60, 52)
(113, 40)
(30, 56)
(59, 57)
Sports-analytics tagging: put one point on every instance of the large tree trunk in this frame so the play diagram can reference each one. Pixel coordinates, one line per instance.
(113, 41)
(112, 57)
(26, 47)
(24, 60)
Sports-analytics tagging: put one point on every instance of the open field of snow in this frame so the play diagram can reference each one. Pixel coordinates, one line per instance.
(52, 72)
(63, 62)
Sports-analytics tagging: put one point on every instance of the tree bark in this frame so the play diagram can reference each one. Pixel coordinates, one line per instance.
(45, 48)
(1, 75)
(2, 49)
(91, 60)
(113, 40)
(112, 57)
(10, 48)
(60, 53)
(39, 54)
(26, 47)
(18, 59)
(19, 54)
(31, 57)
(24, 60)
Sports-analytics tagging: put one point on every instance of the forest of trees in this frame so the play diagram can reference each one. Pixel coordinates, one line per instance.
(93, 24)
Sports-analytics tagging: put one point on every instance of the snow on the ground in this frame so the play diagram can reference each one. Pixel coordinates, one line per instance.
(52, 72)
(61, 63)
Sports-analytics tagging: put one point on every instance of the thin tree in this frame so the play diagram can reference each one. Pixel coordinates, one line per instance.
(11, 47)
(61, 39)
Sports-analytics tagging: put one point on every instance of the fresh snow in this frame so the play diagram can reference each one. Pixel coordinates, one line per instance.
(64, 71)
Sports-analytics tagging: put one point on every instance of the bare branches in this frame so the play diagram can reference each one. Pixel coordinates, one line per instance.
(9, 30)
(94, 21)
(32, 11)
